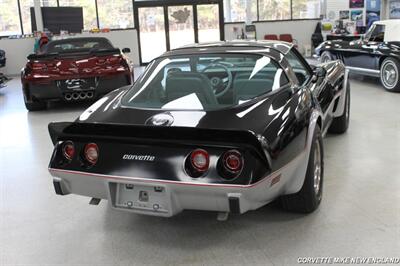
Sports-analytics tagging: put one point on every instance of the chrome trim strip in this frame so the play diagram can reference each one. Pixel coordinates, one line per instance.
(364, 71)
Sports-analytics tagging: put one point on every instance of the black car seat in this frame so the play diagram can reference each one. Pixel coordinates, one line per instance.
(180, 84)
(245, 88)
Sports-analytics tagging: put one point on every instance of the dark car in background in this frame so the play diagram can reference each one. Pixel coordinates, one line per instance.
(377, 54)
(2, 58)
(3, 78)
(226, 127)
(75, 69)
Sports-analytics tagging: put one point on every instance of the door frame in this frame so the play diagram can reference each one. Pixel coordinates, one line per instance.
(165, 4)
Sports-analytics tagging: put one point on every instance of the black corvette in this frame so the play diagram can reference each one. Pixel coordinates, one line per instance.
(377, 54)
(2, 58)
(3, 79)
(226, 127)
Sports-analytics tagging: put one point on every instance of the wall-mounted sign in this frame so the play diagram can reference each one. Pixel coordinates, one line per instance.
(394, 9)
(358, 17)
(344, 14)
(356, 3)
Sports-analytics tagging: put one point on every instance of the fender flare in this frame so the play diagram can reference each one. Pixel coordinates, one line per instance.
(296, 183)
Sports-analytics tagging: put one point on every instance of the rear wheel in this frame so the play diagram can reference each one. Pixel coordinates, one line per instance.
(341, 124)
(309, 197)
(390, 72)
(326, 57)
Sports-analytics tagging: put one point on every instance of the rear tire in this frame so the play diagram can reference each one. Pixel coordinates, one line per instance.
(341, 124)
(309, 197)
(390, 74)
(326, 57)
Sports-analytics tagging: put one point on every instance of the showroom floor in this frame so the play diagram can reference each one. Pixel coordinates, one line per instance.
(359, 215)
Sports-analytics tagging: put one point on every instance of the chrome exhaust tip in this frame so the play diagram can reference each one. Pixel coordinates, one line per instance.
(82, 95)
(75, 96)
(90, 94)
(68, 97)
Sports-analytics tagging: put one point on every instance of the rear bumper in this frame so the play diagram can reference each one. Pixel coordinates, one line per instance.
(174, 198)
(51, 91)
(179, 196)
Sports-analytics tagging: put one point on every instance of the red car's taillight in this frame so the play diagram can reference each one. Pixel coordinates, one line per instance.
(231, 164)
(91, 153)
(68, 150)
(197, 163)
(200, 160)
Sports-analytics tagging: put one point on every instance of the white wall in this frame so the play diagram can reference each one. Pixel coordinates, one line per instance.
(16, 52)
(18, 49)
(301, 30)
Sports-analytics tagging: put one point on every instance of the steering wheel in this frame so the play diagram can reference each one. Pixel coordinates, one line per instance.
(220, 85)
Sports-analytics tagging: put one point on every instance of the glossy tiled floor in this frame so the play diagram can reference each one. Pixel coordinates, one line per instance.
(359, 216)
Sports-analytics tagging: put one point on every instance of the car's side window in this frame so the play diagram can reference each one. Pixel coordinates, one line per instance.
(302, 72)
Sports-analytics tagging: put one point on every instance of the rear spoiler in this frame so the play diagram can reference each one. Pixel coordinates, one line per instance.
(42, 56)
(97, 52)
(156, 135)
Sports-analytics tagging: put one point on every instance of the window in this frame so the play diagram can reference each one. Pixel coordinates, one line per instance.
(302, 72)
(246, 10)
(274, 9)
(78, 45)
(89, 11)
(205, 82)
(9, 20)
(208, 23)
(52, 3)
(240, 10)
(26, 15)
(115, 14)
(304, 9)
(376, 34)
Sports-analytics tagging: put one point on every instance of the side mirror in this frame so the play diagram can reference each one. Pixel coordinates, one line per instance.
(126, 50)
(319, 72)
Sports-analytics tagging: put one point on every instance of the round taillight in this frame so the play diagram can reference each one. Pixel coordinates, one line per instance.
(230, 164)
(91, 153)
(233, 161)
(200, 160)
(68, 150)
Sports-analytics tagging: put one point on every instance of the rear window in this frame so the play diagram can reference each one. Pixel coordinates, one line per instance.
(77, 45)
(205, 82)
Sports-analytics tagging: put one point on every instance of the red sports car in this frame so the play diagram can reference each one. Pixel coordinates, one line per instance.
(72, 70)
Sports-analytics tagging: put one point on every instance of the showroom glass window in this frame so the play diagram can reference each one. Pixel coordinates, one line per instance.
(274, 9)
(26, 15)
(115, 14)
(89, 11)
(9, 21)
(240, 10)
(52, 3)
(306, 9)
